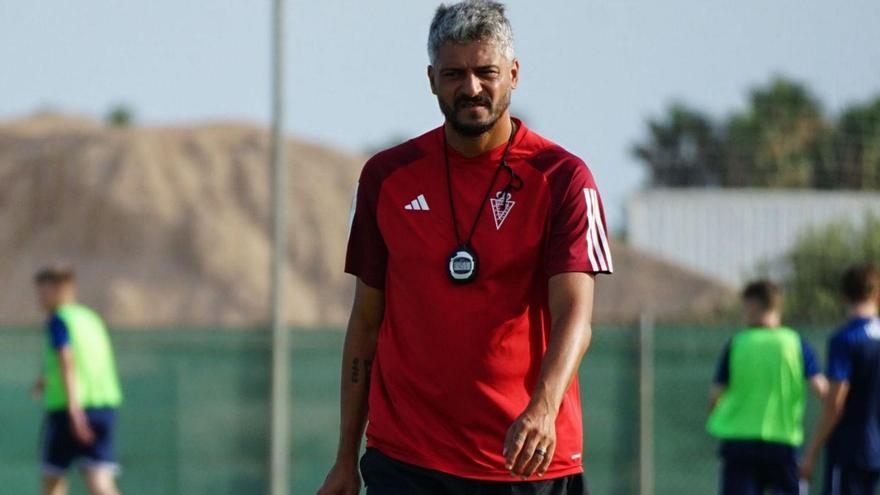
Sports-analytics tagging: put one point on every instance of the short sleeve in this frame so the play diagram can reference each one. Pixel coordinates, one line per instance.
(578, 237)
(59, 336)
(367, 255)
(722, 369)
(811, 364)
(839, 359)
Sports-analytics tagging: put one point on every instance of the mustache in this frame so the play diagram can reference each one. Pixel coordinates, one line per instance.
(483, 100)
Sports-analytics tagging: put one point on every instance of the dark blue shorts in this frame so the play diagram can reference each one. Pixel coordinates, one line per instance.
(386, 476)
(849, 480)
(755, 468)
(758, 478)
(61, 449)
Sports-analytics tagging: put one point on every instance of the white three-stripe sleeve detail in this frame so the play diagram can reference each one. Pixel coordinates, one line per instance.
(593, 265)
(601, 228)
(354, 199)
(594, 226)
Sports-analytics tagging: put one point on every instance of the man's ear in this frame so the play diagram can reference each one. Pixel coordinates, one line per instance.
(514, 73)
(431, 79)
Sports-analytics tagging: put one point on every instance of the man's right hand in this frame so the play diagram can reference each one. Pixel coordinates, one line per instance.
(343, 479)
(358, 352)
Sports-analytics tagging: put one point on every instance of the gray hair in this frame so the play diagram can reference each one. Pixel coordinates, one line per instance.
(469, 21)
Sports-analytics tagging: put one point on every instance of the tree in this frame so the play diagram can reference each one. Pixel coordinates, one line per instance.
(682, 149)
(120, 116)
(777, 141)
(856, 145)
(817, 263)
(781, 140)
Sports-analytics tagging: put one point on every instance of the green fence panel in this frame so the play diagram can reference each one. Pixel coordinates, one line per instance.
(196, 415)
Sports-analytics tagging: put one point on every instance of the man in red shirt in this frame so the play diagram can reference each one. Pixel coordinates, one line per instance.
(475, 247)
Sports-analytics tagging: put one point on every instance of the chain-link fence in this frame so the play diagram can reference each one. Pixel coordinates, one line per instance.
(196, 417)
(685, 460)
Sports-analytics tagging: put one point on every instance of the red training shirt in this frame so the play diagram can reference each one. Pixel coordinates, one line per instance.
(455, 364)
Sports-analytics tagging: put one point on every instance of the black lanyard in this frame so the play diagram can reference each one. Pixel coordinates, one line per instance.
(463, 262)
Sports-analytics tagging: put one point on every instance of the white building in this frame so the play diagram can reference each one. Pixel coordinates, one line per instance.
(728, 234)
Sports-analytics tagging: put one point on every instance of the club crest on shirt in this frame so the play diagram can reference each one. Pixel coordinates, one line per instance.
(501, 206)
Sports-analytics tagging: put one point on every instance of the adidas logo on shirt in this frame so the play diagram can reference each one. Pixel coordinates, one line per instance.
(418, 204)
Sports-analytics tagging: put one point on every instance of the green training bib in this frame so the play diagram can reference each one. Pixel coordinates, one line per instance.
(97, 384)
(765, 395)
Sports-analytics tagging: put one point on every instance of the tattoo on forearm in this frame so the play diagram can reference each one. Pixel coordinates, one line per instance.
(356, 365)
(355, 370)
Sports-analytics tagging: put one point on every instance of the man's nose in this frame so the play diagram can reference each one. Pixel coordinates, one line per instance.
(471, 86)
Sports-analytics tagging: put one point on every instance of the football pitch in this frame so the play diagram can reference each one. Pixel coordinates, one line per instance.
(195, 419)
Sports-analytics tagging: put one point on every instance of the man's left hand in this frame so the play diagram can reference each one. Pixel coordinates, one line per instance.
(530, 442)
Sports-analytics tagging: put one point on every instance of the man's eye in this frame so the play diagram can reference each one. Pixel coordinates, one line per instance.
(488, 73)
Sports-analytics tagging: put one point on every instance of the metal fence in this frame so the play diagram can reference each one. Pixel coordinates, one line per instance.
(196, 415)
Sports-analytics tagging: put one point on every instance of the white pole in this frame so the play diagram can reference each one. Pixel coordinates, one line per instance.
(280, 414)
(646, 404)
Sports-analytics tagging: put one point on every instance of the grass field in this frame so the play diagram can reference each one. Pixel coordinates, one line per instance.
(196, 412)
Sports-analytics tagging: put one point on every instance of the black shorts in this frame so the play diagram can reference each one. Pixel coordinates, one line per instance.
(386, 476)
(849, 480)
(61, 449)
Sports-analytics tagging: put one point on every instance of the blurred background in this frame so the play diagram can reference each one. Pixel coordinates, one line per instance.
(729, 141)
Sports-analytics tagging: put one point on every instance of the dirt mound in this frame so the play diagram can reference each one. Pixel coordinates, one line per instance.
(169, 226)
(668, 292)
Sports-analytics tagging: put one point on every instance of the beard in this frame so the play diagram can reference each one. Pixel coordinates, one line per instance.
(471, 128)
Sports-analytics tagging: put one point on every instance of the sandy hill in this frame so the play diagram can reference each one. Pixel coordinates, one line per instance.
(169, 226)
(670, 293)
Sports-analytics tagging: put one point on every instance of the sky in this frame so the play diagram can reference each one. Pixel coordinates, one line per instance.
(592, 72)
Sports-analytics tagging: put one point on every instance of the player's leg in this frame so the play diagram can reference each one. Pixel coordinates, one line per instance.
(58, 453)
(740, 478)
(98, 461)
(54, 485)
(101, 480)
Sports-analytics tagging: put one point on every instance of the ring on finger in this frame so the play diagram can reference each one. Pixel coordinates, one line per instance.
(540, 452)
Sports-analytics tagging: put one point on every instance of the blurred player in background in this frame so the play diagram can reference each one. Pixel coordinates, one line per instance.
(475, 246)
(80, 389)
(758, 399)
(850, 421)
